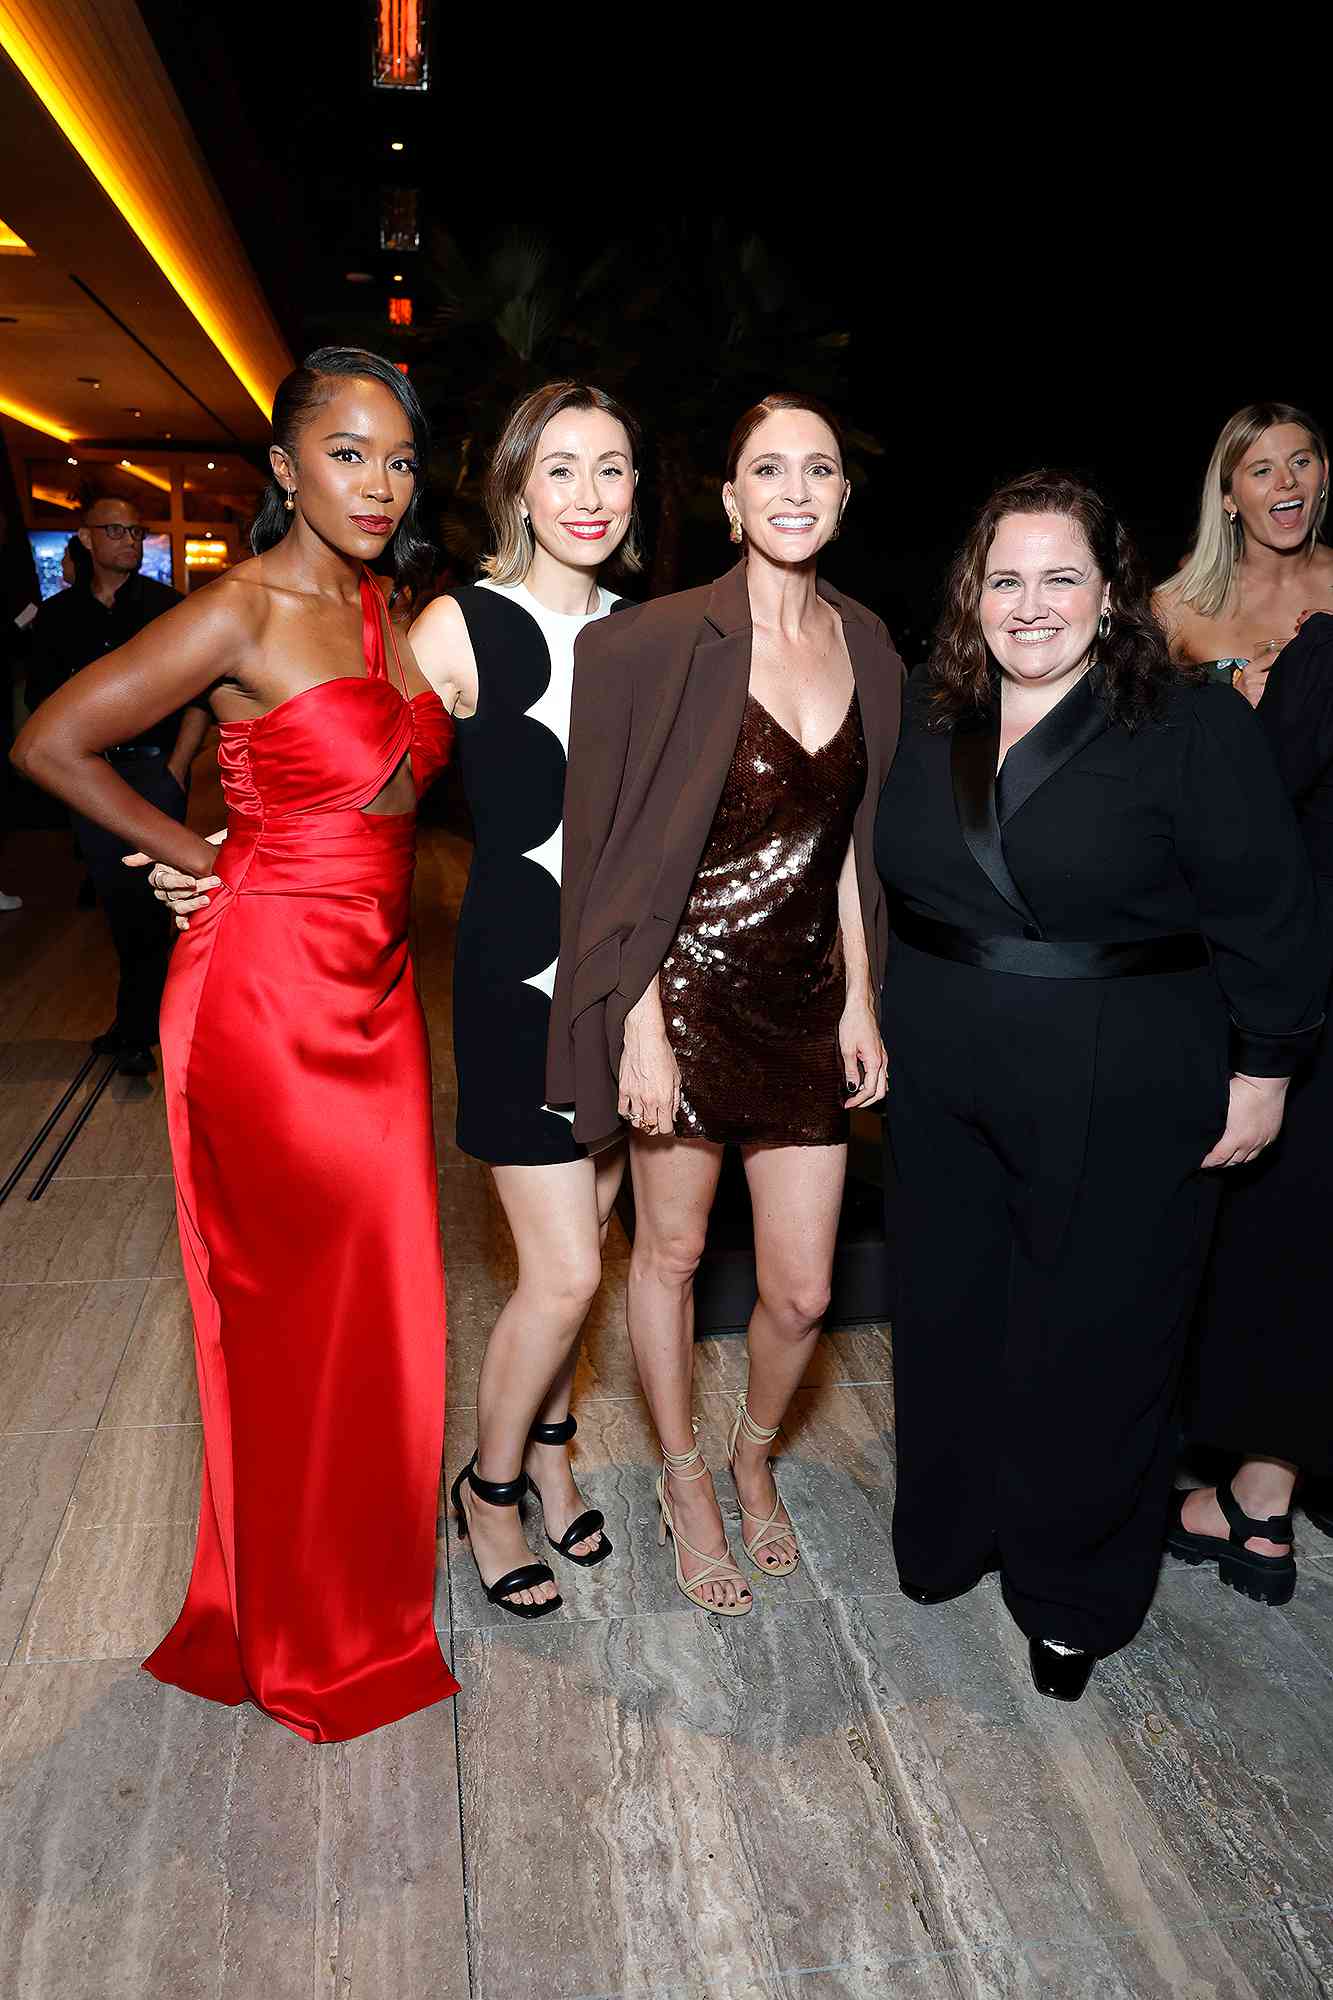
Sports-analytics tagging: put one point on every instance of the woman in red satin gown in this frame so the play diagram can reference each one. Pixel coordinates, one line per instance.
(297, 1074)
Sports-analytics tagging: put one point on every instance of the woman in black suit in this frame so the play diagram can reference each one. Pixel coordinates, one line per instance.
(1106, 956)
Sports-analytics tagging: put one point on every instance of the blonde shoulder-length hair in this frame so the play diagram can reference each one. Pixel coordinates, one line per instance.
(511, 469)
(1204, 580)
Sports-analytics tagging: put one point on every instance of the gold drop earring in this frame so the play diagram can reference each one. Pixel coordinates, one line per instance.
(289, 503)
(737, 531)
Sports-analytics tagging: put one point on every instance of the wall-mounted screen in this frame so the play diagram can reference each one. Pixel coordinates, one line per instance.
(48, 554)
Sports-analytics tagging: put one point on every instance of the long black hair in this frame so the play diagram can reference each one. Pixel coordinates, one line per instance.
(299, 396)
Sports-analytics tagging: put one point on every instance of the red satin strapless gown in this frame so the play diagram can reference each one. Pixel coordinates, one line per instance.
(297, 1074)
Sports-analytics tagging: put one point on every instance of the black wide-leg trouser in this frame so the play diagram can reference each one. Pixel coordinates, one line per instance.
(1054, 1225)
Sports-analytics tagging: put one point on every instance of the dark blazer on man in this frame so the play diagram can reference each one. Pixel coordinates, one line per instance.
(659, 693)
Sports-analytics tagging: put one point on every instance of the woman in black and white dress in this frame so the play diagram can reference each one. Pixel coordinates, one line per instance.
(561, 496)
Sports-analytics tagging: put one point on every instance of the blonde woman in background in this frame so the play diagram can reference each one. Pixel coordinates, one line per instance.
(1257, 563)
(1261, 1388)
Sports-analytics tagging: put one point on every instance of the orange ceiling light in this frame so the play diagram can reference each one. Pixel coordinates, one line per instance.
(400, 312)
(93, 66)
(46, 425)
(50, 497)
(400, 45)
(12, 244)
(157, 479)
(206, 553)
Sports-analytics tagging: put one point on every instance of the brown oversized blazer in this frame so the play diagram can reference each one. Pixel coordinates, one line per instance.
(659, 693)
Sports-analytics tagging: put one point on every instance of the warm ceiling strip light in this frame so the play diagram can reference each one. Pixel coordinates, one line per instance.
(149, 478)
(94, 67)
(49, 497)
(11, 243)
(48, 428)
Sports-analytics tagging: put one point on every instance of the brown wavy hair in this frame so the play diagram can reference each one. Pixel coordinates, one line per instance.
(511, 468)
(964, 680)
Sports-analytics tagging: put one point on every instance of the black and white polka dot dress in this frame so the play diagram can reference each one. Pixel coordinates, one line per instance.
(511, 756)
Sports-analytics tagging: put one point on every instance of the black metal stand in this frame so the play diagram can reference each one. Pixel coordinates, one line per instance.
(49, 1124)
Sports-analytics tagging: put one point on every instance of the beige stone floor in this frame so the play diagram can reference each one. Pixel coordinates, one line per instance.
(842, 1796)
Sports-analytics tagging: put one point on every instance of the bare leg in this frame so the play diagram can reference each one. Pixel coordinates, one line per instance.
(796, 1194)
(548, 1464)
(1262, 1486)
(553, 1213)
(674, 1184)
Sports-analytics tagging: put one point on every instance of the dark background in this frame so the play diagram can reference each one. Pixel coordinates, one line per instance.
(971, 311)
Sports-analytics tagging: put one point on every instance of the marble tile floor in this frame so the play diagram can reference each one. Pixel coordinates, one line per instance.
(843, 1796)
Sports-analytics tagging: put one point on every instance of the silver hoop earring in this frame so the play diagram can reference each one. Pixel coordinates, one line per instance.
(1104, 625)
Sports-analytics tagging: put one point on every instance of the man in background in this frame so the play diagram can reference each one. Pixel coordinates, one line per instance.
(69, 632)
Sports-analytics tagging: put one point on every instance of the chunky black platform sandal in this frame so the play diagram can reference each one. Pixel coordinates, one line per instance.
(591, 1523)
(503, 1493)
(1267, 1579)
(1060, 1672)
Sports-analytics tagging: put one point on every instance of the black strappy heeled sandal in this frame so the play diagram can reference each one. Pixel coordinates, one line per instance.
(503, 1493)
(1267, 1579)
(591, 1523)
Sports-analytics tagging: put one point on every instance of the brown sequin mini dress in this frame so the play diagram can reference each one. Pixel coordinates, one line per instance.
(753, 985)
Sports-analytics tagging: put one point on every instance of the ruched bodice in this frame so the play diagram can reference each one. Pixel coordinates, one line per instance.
(335, 746)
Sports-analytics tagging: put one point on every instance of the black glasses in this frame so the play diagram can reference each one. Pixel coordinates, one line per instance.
(118, 529)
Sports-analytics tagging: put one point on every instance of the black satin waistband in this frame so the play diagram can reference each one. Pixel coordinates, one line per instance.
(1045, 958)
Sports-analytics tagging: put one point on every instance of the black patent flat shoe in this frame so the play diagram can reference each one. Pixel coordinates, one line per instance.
(503, 1493)
(919, 1595)
(1266, 1579)
(1057, 1673)
(586, 1525)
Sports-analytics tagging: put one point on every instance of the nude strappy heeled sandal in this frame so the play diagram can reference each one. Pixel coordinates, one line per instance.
(772, 1529)
(716, 1569)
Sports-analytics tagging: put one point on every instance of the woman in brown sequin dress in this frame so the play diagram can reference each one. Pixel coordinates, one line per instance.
(722, 935)
(754, 985)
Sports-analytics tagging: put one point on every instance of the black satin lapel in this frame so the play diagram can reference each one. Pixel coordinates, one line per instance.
(973, 758)
(1069, 727)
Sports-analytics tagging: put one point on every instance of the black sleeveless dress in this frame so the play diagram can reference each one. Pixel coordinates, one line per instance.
(511, 757)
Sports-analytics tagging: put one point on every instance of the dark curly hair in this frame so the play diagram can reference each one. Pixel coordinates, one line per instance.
(299, 396)
(963, 677)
